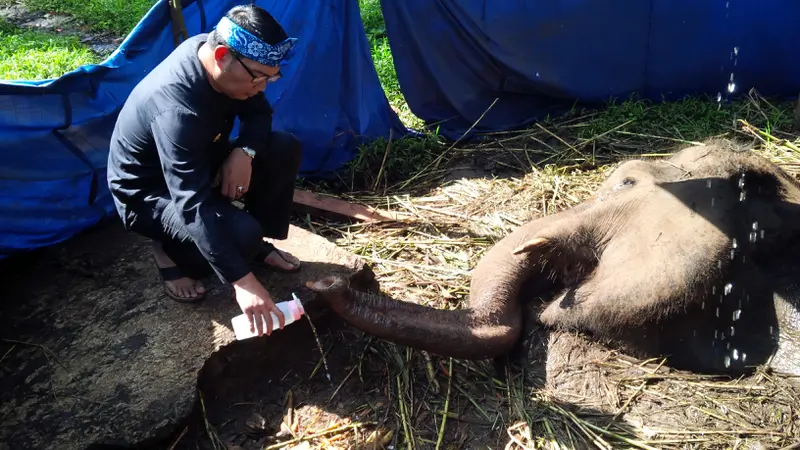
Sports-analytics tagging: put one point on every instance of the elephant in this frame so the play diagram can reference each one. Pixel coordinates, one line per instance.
(694, 258)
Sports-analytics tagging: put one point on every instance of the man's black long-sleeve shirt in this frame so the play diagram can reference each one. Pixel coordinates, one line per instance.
(166, 141)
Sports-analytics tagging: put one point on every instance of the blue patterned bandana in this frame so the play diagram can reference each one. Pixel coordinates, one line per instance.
(249, 46)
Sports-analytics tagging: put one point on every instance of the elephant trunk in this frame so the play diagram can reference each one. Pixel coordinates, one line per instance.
(463, 333)
(522, 265)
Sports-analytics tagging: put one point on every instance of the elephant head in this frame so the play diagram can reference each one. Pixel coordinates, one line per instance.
(694, 258)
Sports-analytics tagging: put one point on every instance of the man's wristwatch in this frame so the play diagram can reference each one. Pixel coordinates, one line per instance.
(249, 152)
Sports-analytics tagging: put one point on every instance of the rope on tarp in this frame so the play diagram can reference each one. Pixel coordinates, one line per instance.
(179, 32)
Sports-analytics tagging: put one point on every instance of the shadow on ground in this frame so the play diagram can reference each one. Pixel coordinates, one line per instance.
(94, 352)
(276, 394)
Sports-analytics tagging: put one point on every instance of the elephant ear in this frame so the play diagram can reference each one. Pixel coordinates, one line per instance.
(551, 238)
(571, 236)
(570, 251)
(537, 245)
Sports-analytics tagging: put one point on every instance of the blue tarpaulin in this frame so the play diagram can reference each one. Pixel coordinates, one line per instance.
(514, 62)
(54, 133)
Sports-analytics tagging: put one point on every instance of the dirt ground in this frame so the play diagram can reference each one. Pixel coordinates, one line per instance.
(282, 401)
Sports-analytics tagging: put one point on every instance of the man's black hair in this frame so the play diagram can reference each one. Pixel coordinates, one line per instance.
(257, 21)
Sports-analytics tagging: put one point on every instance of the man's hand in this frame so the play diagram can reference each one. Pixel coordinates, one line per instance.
(236, 171)
(256, 303)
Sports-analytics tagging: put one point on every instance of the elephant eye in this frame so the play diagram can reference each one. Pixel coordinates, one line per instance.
(626, 183)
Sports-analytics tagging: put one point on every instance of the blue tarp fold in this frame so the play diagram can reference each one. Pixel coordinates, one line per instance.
(517, 61)
(54, 133)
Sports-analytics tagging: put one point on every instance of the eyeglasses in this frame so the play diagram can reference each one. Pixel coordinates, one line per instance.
(258, 79)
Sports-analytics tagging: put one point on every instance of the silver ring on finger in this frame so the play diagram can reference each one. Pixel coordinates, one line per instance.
(240, 189)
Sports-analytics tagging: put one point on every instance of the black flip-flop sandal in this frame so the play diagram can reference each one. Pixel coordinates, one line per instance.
(171, 274)
(266, 249)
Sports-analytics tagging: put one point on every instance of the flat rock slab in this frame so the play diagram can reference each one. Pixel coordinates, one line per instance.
(94, 352)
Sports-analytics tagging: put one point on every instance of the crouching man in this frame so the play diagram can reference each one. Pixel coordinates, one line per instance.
(173, 172)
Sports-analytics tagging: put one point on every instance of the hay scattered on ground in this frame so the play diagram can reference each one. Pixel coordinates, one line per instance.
(546, 169)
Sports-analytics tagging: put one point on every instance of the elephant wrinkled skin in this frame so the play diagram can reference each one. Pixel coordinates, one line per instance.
(694, 258)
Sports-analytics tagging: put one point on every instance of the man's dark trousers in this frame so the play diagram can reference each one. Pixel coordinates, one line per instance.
(268, 204)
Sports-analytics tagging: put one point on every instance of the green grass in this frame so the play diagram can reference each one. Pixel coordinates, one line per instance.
(34, 55)
(687, 119)
(375, 28)
(115, 16)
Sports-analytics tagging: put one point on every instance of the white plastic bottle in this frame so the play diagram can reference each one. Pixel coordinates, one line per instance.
(292, 311)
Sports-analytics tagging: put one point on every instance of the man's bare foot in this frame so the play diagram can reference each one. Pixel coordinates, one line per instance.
(272, 258)
(178, 287)
(283, 260)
